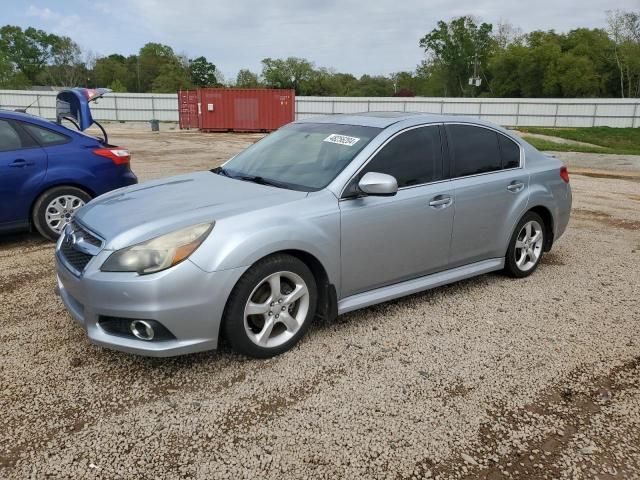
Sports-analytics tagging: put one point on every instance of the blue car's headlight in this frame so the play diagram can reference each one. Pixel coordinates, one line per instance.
(158, 253)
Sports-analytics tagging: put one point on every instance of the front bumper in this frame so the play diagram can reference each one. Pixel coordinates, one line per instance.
(184, 299)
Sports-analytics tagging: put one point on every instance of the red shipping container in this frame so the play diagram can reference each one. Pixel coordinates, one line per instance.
(188, 109)
(237, 109)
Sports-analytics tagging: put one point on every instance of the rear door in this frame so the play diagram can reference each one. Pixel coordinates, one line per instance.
(386, 240)
(491, 190)
(23, 165)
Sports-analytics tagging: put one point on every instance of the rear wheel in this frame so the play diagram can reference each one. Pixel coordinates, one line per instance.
(55, 208)
(526, 247)
(271, 307)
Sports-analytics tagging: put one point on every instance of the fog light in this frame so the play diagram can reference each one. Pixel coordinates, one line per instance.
(141, 329)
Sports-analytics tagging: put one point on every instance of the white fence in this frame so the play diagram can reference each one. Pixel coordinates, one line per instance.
(127, 107)
(503, 111)
(541, 112)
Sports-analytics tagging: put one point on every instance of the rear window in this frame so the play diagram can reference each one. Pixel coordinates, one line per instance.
(475, 150)
(510, 152)
(44, 136)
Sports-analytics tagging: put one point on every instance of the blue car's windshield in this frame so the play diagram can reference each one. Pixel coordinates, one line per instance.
(301, 156)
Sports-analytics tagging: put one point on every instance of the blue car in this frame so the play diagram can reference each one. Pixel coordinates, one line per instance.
(48, 171)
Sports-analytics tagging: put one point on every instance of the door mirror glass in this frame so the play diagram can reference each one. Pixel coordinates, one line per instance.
(379, 184)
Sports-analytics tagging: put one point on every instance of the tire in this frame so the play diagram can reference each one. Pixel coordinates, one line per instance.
(54, 209)
(525, 247)
(279, 320)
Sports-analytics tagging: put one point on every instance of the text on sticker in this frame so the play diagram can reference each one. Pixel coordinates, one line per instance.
(342, 139)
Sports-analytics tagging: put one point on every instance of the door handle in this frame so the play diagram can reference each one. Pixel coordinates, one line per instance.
(20, 163)
(440, 201)
(515, 187)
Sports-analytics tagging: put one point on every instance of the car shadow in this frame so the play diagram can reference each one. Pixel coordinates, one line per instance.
(23, 239)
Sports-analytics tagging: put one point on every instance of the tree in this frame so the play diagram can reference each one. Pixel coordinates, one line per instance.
(171, 78)
(454, 46)
(108, 70)
(117, 86)
(624, 31)
(203, 73)
(288, 73)
(28, 51)
(374, 86)
(66, 68)
(247, 79)
(576, 76)
(155, 59)
(506, 34)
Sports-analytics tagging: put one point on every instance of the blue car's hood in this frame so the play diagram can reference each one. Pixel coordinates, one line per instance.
(133, 214)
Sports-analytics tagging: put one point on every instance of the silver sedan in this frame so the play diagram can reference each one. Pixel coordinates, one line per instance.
(322, 217)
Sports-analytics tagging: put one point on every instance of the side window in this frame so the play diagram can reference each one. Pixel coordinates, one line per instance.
(413, 157)
(44, 136)
(474, 150)
(510, 152)
(9, 137)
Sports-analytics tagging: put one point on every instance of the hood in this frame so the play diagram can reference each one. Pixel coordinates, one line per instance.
(134, 214)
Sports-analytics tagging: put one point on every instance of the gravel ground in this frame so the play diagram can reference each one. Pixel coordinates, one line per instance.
(488, 378)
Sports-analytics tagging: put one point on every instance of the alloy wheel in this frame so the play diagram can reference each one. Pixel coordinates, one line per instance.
(529, 244)
(276, 309)
(60, 211)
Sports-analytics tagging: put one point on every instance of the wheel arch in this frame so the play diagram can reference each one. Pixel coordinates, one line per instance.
(547, 218)
(42, 191)
(327, 306)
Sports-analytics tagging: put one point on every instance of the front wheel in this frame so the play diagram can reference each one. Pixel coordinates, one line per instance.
(55, 208)
(526, 247)
(271, 307)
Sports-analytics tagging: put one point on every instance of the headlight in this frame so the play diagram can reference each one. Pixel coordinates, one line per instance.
(158, 253)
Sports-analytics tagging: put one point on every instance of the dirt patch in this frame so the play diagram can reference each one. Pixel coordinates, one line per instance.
(560, 416)
(551, 258)
(632, 177)
(607, 219)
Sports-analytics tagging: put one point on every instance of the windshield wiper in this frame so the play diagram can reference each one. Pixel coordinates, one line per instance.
(250, 178)
(260, 180)
(221, 171)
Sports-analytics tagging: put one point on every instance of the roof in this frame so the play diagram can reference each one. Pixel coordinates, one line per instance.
(12, 114)
(385, 119)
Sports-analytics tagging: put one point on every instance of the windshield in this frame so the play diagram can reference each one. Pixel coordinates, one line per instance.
(301, 156)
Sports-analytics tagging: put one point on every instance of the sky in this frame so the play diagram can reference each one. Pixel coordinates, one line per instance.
(366, 36)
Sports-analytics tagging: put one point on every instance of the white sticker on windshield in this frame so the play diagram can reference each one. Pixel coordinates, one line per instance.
(341, 140)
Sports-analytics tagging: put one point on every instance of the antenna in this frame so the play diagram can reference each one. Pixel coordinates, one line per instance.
(24, 110)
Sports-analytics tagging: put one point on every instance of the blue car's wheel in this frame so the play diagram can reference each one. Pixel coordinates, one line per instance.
(55, 208)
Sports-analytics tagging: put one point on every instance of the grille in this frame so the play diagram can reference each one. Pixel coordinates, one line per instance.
(86, 235)
(74, 258)
(77, 256)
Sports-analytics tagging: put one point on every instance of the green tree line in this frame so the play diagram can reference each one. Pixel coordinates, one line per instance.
(463, 57)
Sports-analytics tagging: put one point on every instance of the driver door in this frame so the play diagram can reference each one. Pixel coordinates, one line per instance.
(386, 240)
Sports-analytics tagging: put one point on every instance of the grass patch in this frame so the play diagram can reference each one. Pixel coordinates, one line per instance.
(541, 144)
(613, 140)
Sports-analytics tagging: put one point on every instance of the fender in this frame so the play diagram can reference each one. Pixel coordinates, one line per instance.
(273, 230)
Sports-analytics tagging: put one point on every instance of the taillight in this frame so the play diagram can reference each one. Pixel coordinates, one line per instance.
(564, 174)
(119, 156)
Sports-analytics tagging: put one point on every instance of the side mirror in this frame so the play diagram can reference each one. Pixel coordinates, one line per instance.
(378, 184)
